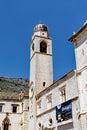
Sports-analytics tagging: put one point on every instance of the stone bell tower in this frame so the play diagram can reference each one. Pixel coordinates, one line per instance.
(80, 44)
(41, 68)
(41, 72)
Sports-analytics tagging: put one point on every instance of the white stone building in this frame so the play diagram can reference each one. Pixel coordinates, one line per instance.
(59, 105)
(14, 104)
(44, 104)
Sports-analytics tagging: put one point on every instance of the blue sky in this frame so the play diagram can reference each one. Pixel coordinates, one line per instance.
(17, 20)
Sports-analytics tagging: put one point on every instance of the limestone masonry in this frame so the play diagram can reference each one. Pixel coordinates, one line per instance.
(40, 103)
(59, 105)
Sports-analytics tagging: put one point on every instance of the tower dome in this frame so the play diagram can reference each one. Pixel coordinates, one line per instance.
(40, 27)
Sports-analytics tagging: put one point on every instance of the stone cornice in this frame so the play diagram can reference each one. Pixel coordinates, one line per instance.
(78, 72)
(78, 34)
(49, 38)
(40, 53)
(49, 110)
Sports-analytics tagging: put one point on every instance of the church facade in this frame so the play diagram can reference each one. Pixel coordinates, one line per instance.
(59, 105)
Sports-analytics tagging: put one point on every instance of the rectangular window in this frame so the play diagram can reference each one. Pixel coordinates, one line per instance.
(44, 84)
(0, 108)
(14, 109)
(49, 101)
(62, 92)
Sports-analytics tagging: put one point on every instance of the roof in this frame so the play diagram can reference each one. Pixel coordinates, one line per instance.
(9, 96)
(73, 38)
(11, 88)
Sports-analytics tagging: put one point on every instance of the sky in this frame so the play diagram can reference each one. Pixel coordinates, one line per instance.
(17, 21)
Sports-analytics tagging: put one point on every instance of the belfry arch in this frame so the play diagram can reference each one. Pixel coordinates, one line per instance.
(43, 47)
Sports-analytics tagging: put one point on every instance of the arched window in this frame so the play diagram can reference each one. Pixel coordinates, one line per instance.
(6, 126)
(33, 46)
(6, 123)
(43, 47)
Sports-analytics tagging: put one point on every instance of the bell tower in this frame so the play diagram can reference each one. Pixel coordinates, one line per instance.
(41, 68)
(41, 72)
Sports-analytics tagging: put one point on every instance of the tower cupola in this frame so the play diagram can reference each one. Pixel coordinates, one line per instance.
(41, 30)
(40, 27)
